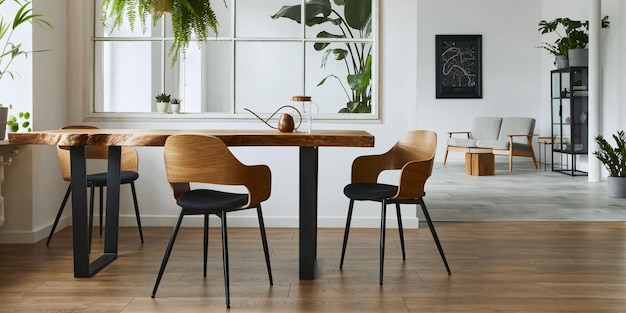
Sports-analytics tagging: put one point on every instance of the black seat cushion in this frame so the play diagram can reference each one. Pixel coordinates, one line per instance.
(100, 179)
(211, 200)
(369, 191)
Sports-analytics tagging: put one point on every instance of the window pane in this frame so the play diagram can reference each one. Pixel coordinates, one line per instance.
(119, 89)
(150, 30)
(254, 19)
(353, 21)
(267, 75)
(336, 93)
(202, 79)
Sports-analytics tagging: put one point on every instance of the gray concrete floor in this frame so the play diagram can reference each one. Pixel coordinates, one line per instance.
(525, 194)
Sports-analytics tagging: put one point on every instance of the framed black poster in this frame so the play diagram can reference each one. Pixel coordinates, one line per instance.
(459, 66)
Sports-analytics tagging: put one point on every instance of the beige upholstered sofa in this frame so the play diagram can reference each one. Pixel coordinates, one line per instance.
(510, 136)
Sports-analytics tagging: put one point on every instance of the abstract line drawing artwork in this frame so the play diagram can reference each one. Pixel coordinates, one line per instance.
(458, 61)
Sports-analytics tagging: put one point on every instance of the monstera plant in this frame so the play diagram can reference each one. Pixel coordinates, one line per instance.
(188, 17)
(353, 23)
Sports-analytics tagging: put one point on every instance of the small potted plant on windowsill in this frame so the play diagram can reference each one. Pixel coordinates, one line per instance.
(163, 102)
(175, 105)
(614, 160)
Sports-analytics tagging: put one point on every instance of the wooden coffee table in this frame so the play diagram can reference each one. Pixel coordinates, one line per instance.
(479, 162)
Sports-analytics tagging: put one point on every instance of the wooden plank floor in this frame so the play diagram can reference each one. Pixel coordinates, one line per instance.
(496, 267)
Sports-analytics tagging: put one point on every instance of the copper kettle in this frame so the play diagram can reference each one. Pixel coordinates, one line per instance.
(286, 124)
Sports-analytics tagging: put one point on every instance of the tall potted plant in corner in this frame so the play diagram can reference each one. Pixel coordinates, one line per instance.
(188, 17)
(356, 18)
(11, 50)
(614, 160)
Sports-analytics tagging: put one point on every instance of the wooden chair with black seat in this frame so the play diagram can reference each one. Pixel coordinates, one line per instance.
(129, 174)
(207, 160)
(413, 155)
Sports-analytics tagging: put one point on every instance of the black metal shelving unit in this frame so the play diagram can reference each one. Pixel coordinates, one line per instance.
(570, 128)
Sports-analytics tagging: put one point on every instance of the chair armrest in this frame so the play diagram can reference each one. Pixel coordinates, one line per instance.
(258, 181)
(454, 133)
(529, 138)
(413, 178)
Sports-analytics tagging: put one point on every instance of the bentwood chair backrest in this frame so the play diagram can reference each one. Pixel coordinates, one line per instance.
(414, 154)
(206, 159)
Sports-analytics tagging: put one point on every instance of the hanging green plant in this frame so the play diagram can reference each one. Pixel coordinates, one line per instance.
(188, 17)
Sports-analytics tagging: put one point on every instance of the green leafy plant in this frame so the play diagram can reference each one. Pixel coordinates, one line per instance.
(572, 34)
(176, 101)
(162, 97)
(613, 158)
(188, 17)
(11, 50)
(22, 119)
(357, 56)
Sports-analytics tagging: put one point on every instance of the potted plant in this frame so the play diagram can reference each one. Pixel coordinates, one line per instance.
(356, 18)
(188, 17)
(11, 50)
(175, 105)
(571, 44)
(163, 102)
(614, 160)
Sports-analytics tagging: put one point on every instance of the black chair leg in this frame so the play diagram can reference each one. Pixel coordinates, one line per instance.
(205, 246)
(346, 233)
(400, 230)
(92, 193)
(168, 251)
(264, 240)
(101, 207)
(56, 220)
(383, 225)
(225, 256)
(434, 233)
(132, 187)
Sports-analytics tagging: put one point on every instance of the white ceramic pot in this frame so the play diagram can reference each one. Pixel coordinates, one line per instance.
(162, 107)
(561, 62)
(175, 108)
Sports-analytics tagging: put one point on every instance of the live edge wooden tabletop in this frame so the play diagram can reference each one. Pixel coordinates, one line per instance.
(157, 137)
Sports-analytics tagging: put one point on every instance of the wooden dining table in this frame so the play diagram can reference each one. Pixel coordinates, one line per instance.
(78, 140)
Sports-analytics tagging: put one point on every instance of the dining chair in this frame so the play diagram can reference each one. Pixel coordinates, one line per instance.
(128, 175)
(413, 155)
(207, 160)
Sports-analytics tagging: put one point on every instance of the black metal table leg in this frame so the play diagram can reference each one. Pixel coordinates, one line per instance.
(308, 211)
(82, 267)
(79, 211)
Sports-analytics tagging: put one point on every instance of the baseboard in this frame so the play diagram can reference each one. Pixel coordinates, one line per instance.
(21, 237)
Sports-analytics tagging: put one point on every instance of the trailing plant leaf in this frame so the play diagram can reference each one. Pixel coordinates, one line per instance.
(189, 17)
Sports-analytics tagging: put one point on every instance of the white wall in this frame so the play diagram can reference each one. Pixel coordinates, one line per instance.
(511, 63)
(514, 84)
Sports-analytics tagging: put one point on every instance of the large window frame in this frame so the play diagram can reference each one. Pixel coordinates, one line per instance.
(235, 111)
